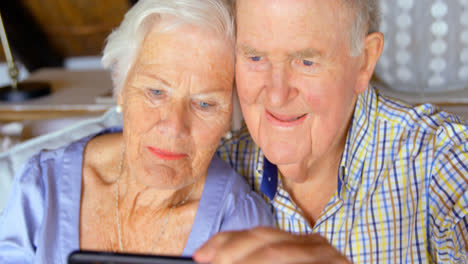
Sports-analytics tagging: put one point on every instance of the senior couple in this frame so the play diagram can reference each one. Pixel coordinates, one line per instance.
(348, 174)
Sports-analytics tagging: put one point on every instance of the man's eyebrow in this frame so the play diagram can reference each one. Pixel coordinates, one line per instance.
(306, 53)
(246, 49)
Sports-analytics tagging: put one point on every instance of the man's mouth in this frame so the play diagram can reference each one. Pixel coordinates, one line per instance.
(285, 120)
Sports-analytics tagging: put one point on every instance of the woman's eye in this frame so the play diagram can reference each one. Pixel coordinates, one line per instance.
(204, 105)
(157, 92)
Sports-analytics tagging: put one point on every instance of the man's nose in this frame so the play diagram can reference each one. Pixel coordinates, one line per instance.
(175, 121)
(278, 91)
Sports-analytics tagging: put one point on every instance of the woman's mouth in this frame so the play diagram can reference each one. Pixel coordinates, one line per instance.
(285, 120)
(166, 155)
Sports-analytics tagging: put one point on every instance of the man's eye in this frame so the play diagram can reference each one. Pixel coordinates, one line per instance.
(307, 62)
(255, 58)
(306, 66)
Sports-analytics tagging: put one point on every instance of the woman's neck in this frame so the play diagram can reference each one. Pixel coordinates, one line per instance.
(138, 196)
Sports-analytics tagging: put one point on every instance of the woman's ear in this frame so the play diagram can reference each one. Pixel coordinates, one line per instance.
(119, 102)
(119, 98)
(373, 46)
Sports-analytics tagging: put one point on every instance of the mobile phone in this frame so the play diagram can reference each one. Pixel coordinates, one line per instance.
(99, 257)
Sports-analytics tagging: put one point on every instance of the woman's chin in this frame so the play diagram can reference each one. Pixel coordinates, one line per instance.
(163, 177)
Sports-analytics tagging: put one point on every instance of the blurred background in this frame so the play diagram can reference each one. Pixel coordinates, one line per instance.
(58, 33)
(59, 42)
(425, 59)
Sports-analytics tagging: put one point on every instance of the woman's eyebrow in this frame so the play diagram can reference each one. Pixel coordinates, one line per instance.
(208, 92)
(151, 75)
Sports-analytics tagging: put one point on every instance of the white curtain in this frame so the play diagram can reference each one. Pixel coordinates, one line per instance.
(426, 45)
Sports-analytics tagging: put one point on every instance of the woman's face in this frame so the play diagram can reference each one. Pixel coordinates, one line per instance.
(176, 105)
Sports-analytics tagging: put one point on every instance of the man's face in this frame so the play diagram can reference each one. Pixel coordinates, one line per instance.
(295, 77)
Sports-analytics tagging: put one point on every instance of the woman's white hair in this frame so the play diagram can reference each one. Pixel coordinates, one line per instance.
(124, 42)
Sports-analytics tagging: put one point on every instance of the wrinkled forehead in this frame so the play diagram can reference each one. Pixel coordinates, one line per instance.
(345, 5)
(187, 50)
(332, 14)
(265, 21)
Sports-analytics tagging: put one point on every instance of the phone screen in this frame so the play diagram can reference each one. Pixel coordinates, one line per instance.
(97, 257)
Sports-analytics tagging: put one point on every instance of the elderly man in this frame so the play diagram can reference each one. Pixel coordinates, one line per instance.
(352, 176)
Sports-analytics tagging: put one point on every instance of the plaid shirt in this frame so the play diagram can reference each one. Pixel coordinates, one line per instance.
(402, 185)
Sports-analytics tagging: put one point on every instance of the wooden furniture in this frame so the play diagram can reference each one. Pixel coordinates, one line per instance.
(75, 93)
(75, 27)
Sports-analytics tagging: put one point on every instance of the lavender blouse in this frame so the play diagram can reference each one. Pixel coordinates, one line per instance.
(40, 223)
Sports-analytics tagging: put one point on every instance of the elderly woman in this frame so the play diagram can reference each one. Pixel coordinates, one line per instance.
(152, 186)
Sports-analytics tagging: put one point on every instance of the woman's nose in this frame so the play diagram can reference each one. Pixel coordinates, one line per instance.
(175, 121)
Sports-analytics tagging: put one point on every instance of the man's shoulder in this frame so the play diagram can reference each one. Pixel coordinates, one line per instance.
(404, 131)
(424, 131)
(424, 118)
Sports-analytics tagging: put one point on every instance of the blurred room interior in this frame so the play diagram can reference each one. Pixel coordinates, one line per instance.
(60, 42)
(425, 59)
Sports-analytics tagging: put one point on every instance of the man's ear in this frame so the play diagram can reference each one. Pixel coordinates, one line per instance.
(373, 46)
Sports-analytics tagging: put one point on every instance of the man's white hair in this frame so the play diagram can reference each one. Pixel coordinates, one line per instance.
(366, 16)
(124, 42)
(366, 20)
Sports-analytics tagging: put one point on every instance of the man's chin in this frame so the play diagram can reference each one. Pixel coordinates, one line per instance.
(280, 158)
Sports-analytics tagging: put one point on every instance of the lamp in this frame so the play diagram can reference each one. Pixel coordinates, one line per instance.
(18, 91)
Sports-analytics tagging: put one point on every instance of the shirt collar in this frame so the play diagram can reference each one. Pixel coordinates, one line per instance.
(267, 172)
(269, 183)
(358, 140)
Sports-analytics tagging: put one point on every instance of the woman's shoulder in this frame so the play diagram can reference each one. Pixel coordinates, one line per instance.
(100, 155)
(221, 173)
(243, 207)
(98, 148)
(50, 160)
(47, 158)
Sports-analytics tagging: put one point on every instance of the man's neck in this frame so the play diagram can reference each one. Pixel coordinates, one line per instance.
(311, 184)
(312, 195)
(311, 187)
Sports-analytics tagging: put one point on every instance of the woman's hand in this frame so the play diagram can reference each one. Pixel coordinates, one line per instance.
(267, 245)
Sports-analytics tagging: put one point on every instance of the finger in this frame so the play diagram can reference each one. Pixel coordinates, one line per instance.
(284, 251)
(303, 249)
(207, 251)
(244, 243)
(227, 246)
